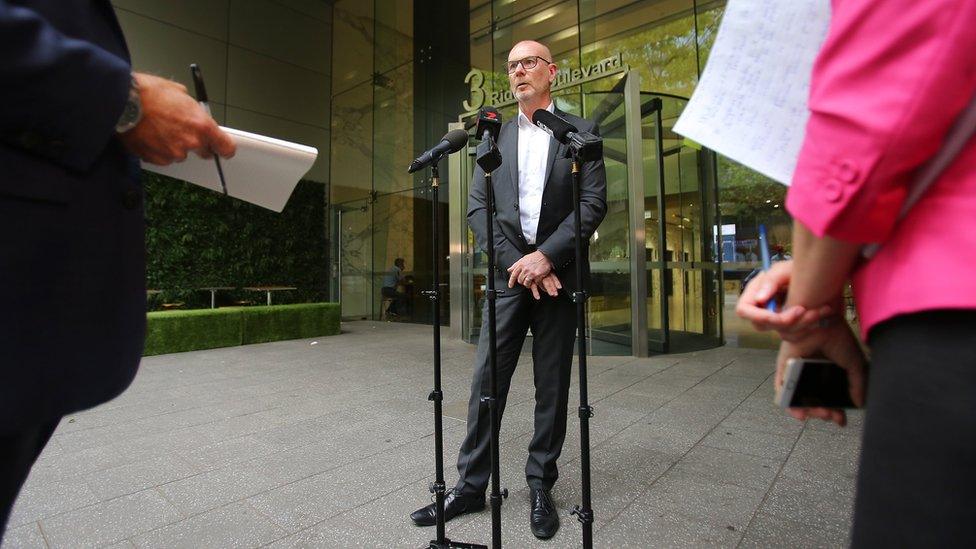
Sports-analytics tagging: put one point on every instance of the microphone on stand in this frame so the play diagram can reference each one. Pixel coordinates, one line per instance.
(452, 142)
(583, 145)
(489, 120)
(489, 125)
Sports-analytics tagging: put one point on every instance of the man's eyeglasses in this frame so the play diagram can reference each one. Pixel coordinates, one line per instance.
(528, 63)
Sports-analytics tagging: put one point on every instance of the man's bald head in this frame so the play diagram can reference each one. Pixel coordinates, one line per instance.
(531, 86)
(529, 47)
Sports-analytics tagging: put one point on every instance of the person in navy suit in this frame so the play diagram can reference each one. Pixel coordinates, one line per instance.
(74, 122)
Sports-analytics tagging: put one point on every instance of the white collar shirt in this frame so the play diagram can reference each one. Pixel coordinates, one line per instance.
(533, 152)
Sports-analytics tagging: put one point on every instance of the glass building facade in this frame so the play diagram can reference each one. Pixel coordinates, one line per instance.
(680, 231)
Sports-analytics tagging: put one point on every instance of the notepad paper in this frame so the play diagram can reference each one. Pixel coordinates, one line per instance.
(264, 171)
(751, 103)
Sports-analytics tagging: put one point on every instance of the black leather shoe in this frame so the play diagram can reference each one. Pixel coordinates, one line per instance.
(455, 503)
(543, 518)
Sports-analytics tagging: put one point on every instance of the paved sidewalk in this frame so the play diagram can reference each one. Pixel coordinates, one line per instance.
(328, 443)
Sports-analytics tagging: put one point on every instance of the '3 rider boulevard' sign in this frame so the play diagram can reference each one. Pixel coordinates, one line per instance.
(564, 78)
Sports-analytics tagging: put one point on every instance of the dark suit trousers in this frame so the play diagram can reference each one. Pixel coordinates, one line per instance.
(18, 452)
(553, 323)
(916, 484)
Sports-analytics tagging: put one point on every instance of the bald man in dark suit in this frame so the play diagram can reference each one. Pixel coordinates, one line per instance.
(534, 239)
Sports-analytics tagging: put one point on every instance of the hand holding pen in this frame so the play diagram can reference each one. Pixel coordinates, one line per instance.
(758, 302)
(201, 91)
(172, 125)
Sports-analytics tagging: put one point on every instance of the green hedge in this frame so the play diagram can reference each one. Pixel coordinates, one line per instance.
(181, 331)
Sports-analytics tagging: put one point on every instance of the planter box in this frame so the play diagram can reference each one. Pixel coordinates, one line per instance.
(181, 331)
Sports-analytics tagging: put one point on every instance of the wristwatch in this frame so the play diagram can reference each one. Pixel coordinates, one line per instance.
(132, 113)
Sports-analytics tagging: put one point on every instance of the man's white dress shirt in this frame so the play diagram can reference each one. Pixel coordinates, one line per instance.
(533, 152)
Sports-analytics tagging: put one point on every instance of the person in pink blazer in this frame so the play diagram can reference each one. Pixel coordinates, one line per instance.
(890, 80)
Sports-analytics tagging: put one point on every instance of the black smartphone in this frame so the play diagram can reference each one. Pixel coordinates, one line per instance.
(813, 383)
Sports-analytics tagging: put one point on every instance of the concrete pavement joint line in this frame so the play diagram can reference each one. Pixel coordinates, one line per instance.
(650, 485)
(171, 502)
(662, 405)
(43, 535)
(331, 469)
(643, 379)
(175, 522)
(345, 511)
(189, 425)
(187, 517)
(267, 516)
(772, 485)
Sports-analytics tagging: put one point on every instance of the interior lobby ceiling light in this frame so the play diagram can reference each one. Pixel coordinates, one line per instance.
(564, 34)
(542, 16)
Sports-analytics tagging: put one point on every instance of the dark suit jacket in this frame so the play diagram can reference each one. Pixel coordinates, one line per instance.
(72, 274)
(555, 236)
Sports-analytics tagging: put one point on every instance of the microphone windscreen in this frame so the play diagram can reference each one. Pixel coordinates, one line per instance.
(555, 126)
(489, 120)
(457, 140)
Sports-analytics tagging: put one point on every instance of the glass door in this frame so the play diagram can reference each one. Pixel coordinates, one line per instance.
(680, 222)
(352, 259)
(657, 277)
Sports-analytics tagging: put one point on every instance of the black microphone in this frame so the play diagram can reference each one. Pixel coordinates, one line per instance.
(452, 141)
(555, 126)
(583, 145)
(489, 120)
(489, 124)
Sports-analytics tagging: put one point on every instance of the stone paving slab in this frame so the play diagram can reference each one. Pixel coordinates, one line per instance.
(328, 443)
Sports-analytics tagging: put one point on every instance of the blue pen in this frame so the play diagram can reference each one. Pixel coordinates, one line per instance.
(766, 263)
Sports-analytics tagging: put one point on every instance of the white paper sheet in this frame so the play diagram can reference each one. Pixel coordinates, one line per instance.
(264, 171)
(751, 103)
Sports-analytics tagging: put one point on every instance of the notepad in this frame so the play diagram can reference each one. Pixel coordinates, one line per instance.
(264, 171)
(751, 103)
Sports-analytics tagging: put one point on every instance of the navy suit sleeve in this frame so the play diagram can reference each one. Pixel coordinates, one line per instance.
(560, 247)
(60, 97)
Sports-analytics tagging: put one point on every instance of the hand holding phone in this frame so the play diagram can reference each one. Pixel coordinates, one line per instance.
(814, 383)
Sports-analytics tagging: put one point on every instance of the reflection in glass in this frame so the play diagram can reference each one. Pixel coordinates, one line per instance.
(352, 137)
(352, 36)
(353, 246)
(749, 199)
(610, 303)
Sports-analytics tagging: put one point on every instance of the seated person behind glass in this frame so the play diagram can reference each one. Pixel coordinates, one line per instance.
(391, 286)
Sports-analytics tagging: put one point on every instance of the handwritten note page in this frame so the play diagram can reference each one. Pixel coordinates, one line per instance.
(751, 103)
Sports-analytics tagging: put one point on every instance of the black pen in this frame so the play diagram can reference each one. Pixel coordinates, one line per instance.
(201, 91)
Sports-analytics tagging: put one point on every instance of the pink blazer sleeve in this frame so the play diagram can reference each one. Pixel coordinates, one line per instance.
(889, 81)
